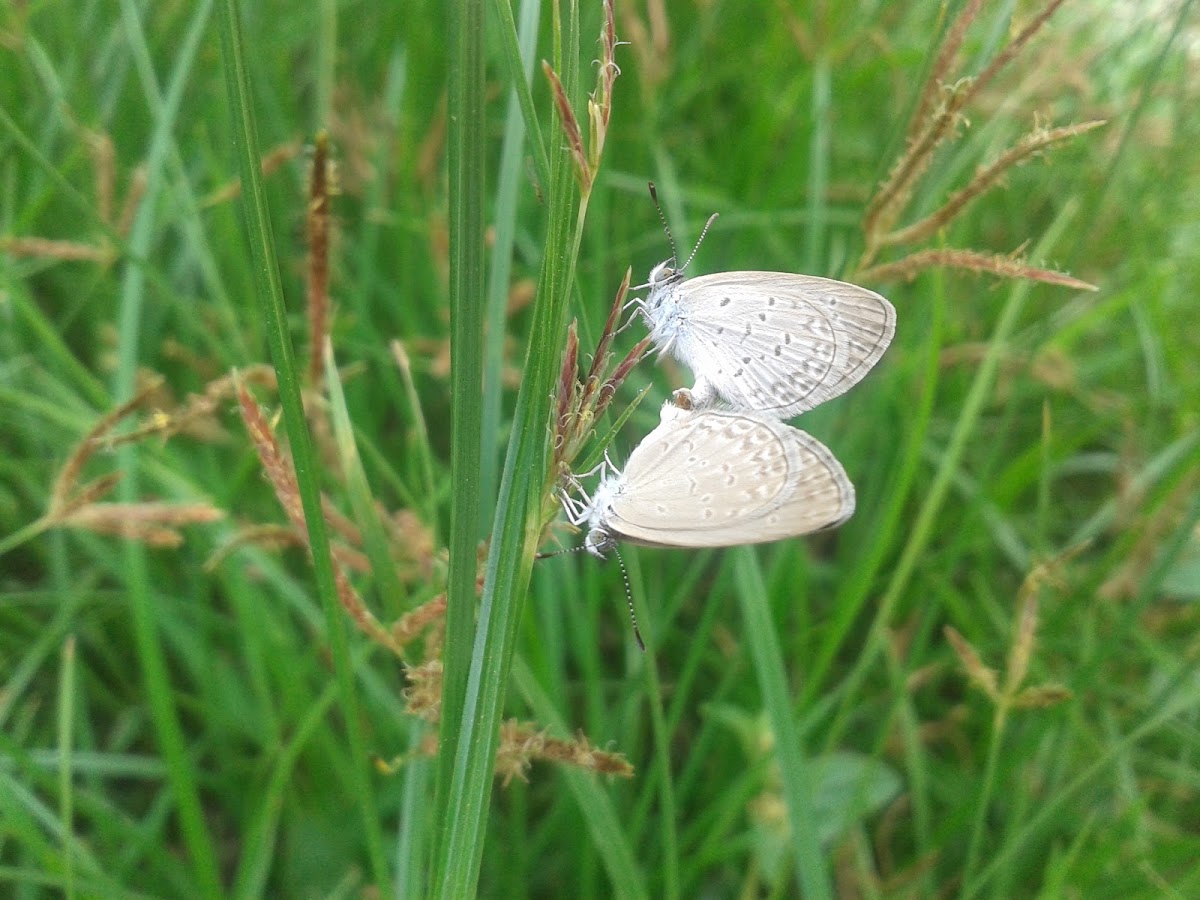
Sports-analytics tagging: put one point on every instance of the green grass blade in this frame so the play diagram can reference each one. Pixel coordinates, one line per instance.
(453, 860)
(273, 312)
(151, 652)
(465, 798)
(795, 765)
(510, 179)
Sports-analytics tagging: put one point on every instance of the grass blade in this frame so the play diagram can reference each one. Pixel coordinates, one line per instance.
(454, 859)
(274, 313)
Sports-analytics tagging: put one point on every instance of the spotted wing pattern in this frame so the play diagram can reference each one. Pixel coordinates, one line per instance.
(717, 478)
(770, 341)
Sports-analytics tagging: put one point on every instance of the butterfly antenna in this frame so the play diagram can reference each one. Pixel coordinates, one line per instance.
(671, 238)
(703, 232)
(629, 599)
(662, 218)
(561, 552)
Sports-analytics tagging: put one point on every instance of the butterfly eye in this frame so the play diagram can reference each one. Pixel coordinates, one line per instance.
(662, 273)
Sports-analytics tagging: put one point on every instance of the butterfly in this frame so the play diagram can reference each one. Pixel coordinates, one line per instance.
(714, 478)
(773, 342)
(777, 343)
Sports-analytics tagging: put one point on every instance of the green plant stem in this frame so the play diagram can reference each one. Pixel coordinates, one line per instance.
(988, 782)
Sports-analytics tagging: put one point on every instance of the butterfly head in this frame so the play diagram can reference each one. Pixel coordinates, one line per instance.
(664, 274)
(663, 277)
(600, 538)
(599, 541)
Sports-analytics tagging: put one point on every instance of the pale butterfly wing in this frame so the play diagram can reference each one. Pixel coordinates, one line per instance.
(717, 478)
(771, 341)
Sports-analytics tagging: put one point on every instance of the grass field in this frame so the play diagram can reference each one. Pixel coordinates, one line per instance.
(292, 263)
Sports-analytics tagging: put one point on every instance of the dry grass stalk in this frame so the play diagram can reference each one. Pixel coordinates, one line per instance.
(64, 251)
(269, 536)
(104, 166)
(986, 177)
(1009, 52)
(72, 505)
(197, 415)
(932, 124)
(891, 198)
(1011, 694)
(912, 265)
(522, 743)
(104, 250)
(431, 615)
(133, 200)
(940, 70)
(651, 42)
(68, 476)
(151, 522)
(1153, 529)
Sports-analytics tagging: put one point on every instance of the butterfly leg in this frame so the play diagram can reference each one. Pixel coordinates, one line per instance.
(609, 464)
(599, 467)
(576, 510)
(639, 309)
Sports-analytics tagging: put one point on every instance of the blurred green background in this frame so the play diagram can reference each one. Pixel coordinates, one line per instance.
(1019, 442)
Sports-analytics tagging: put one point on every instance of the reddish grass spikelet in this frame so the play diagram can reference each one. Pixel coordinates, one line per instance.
(609, 388)
(277, 466)
(599, 359)
(599, 107)
(571, 130)
(582, 400)
(600, 102)
(566, 380)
